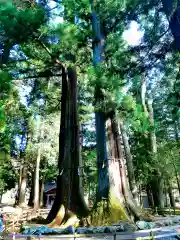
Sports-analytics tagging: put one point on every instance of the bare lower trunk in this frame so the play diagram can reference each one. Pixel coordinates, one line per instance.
(129, 163)
(64, 148)
(69, 190)
(36, 179)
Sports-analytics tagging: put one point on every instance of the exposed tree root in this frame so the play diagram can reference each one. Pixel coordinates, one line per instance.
(59, 218)
(64, 218)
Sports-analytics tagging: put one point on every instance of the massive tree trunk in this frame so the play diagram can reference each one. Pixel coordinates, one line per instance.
(129, 163)
(78, 200)
(110, 179)
(69, 192)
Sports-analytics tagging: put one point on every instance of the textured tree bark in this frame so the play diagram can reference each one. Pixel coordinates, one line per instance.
(134, 210)
(129, 163)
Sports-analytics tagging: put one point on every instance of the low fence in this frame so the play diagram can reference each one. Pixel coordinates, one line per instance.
(166, 233)
(167, 236)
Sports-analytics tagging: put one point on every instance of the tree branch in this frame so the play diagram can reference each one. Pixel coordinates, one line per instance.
(38, 76)
(50, 53)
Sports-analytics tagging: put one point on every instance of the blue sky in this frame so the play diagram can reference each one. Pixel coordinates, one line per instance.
(132, 35)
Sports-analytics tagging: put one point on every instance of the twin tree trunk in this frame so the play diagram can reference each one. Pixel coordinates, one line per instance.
(69, 191)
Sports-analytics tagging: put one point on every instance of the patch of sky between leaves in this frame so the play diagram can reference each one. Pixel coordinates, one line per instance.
(132, 35)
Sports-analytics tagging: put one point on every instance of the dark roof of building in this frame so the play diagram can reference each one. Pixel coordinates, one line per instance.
(49, 186)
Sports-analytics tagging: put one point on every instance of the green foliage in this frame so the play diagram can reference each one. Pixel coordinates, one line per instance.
(18, 24)
(8, 177)
(169, 159)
